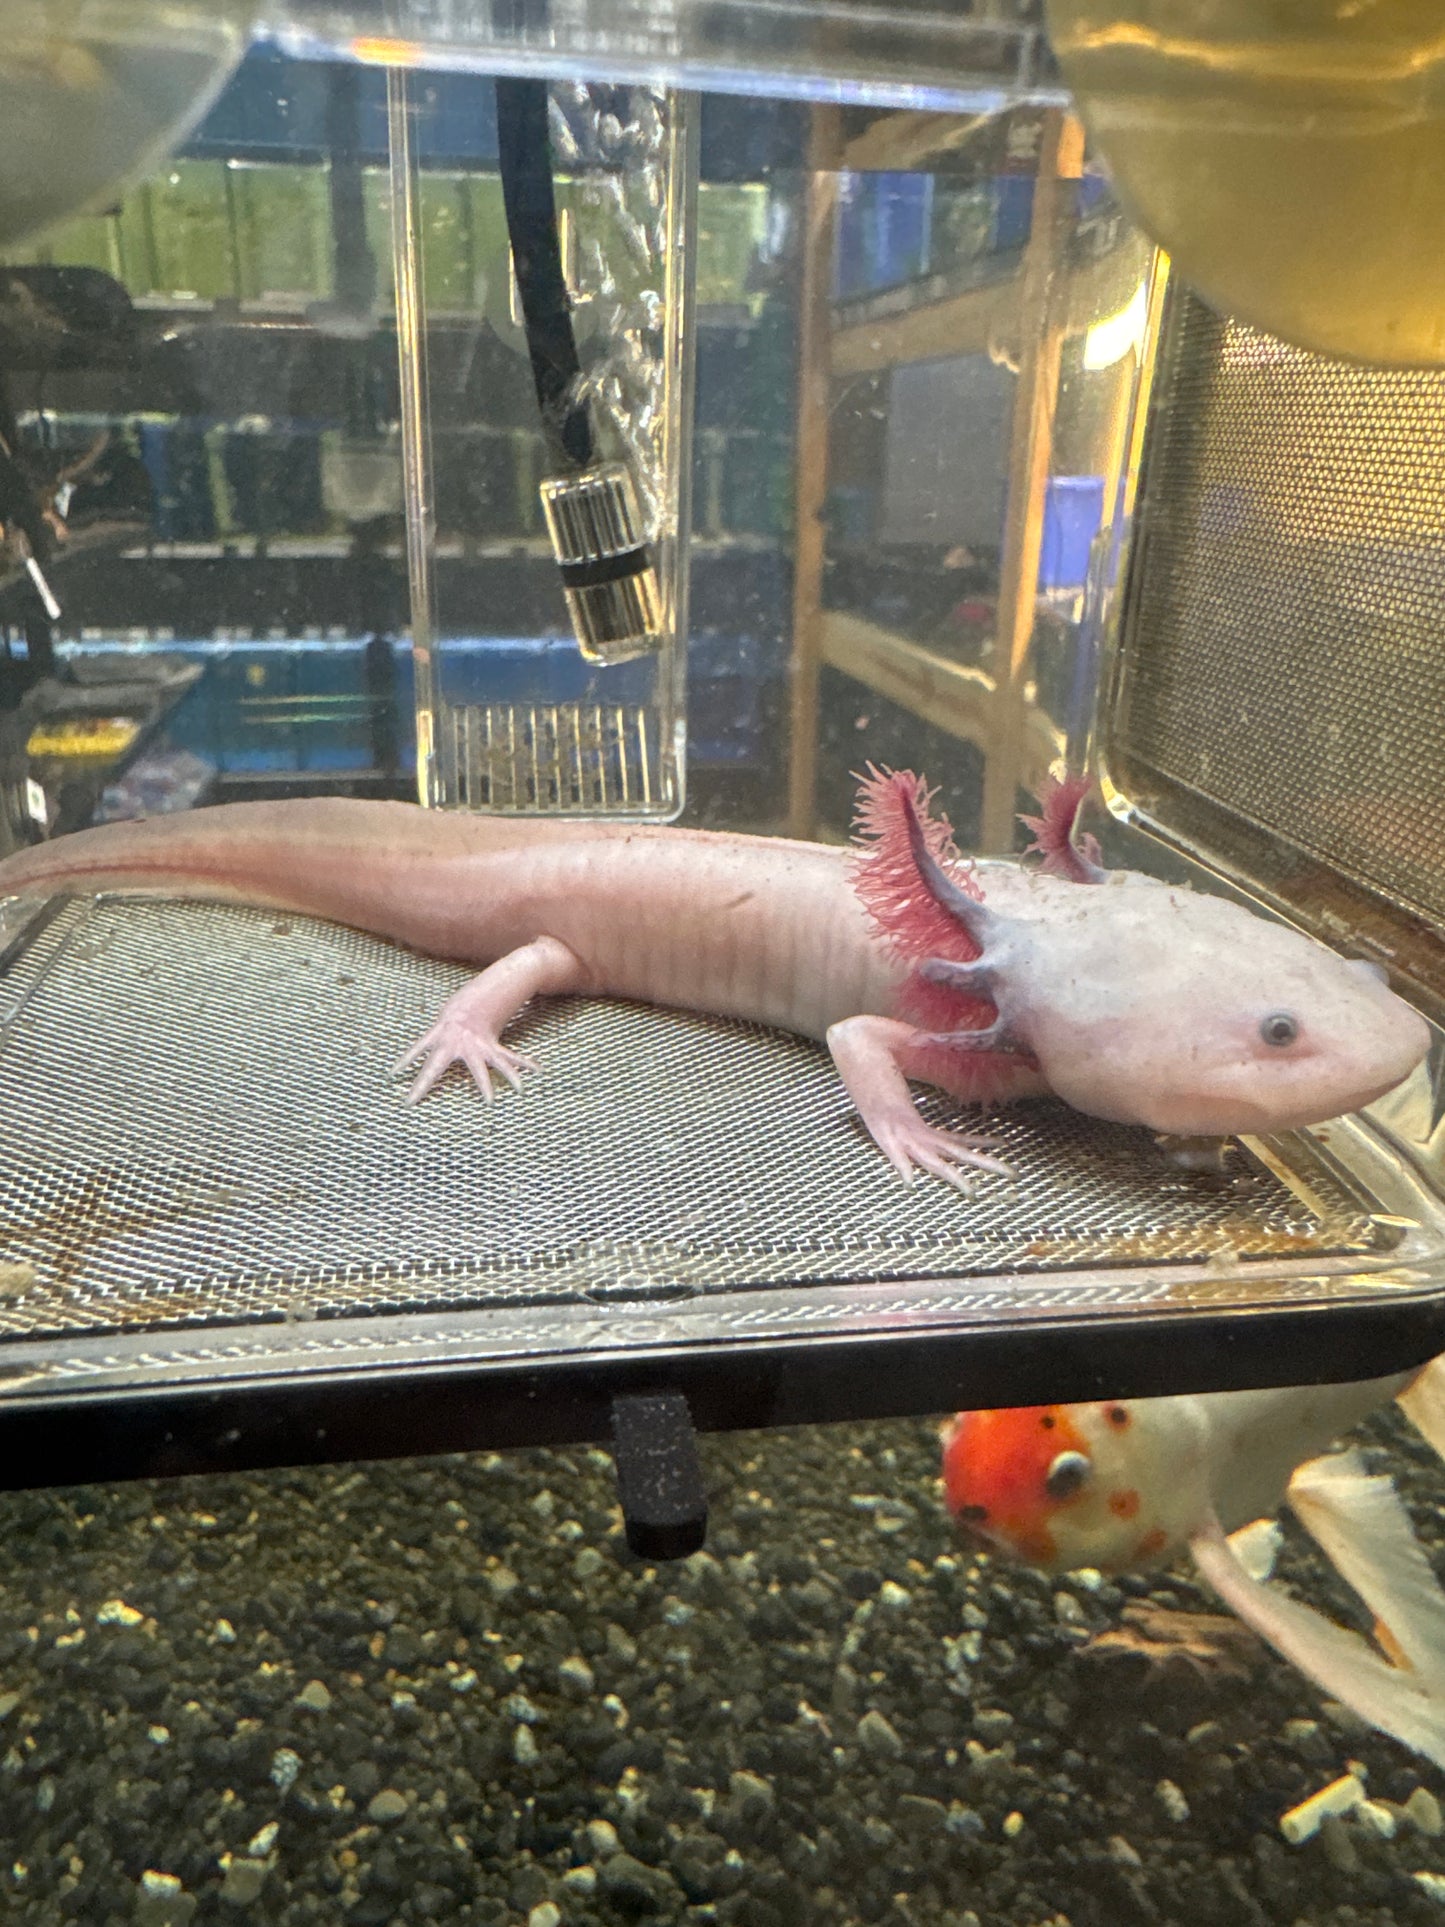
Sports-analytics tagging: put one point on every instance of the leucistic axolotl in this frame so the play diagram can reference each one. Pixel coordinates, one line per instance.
(1126, 1485)
(1130, 999)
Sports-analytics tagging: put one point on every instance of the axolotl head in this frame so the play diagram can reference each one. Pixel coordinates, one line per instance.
(1148, 1004)
(1158, 1006)
(1139, 1001)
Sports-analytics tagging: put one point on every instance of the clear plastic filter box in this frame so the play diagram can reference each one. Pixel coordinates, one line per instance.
(597, 727)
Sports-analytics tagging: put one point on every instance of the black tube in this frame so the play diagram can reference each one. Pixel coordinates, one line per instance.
(525, 158)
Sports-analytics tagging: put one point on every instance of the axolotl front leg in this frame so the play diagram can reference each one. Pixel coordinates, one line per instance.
(875, 1057)
(469, 1029)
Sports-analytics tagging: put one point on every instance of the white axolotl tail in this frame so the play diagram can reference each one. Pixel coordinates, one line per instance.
(358, 863)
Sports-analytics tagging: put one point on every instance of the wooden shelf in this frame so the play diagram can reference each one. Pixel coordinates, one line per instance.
(978, 320)
(951, 696)
(1062, 284)
(907, 142)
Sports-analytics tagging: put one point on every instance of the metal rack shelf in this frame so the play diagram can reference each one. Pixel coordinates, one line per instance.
(226, 1239)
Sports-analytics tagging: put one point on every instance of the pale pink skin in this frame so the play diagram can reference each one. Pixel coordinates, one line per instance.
(1139, 1003)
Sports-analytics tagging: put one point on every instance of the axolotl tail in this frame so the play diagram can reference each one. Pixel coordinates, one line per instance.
(354, 862)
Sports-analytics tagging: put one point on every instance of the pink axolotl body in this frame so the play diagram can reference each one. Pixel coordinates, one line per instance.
(1129, 999)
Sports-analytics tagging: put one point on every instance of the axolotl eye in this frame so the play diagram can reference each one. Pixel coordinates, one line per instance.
(1279, 1029)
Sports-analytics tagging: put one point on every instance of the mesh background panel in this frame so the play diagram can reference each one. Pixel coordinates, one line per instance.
(1284, 649)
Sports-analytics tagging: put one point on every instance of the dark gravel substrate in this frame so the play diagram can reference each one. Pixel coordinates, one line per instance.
(442, 1691)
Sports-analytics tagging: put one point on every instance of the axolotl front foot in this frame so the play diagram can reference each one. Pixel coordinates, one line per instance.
(469, 1026)
(874, 1055)
(457, 1040)
(910, 1145)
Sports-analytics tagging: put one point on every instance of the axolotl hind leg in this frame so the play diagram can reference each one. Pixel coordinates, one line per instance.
(875, 1057)
(469, 1028)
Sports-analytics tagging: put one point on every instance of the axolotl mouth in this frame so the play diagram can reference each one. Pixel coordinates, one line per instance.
(1250, 1096)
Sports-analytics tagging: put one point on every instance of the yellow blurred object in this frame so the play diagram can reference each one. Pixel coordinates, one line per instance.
(1289, 154)
(94, 93)
(84, 736)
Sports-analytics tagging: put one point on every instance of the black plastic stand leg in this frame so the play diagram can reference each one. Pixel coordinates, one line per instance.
(659, 1475)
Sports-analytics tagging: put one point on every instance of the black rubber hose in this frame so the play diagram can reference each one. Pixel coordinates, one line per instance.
(525, 155)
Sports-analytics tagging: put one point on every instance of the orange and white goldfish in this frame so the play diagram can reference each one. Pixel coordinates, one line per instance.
(1125, 1485)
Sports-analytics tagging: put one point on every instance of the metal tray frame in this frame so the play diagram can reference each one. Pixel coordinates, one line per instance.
(178, 1383)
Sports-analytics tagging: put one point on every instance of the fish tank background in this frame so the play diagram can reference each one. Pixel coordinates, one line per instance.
(443, 1689)
(262, 434)
(246, 516)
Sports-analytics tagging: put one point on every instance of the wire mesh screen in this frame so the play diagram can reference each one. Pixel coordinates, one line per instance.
(1284, 649)
(198, 1124)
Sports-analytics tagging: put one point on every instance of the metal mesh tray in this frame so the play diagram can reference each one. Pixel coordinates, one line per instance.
(211, 1183)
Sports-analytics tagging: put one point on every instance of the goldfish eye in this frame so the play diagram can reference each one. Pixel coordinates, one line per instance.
(1279, 1029)
(1069, 1473)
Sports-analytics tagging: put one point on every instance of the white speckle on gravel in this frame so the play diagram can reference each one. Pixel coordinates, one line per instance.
(574, 1675)
(115, 1612)
(162, 1901)
(1172, 1802)
(603, 1840)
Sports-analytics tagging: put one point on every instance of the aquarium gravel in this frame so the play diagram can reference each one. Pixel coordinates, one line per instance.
(443, 1691)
